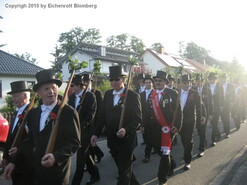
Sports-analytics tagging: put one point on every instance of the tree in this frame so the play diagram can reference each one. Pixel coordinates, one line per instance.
(68, 40)
(1, 45)
(193, 51)
(156, 46)
(27, 57)
(126, 42)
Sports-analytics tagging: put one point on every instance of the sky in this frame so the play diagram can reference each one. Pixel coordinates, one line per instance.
(216, 25)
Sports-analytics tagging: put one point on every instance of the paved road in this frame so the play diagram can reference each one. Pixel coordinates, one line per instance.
(203, 170)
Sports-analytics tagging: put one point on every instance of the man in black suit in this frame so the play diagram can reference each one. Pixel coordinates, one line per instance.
(229, 98)
(140, 83)
(85, 103)
(218, 100)
(87, 80)
(206, 98)
(51, 168)
(192, 109)
(145, 96)
(120, 139)
(23, 173)
(164, 116)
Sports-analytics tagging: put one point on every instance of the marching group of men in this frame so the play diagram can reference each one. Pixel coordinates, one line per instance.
(160, 110)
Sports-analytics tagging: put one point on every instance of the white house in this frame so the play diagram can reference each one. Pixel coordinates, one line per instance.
(91, 52)
(13, 69)
(161, 60)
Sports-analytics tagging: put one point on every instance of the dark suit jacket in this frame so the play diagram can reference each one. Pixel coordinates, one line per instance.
(110, 118)
(207, 100)
(218, 98)
(193, 109)
(229, 97)
(168, 105)
(99, 100)
(23, 163)
(86, 114)
(67, 143)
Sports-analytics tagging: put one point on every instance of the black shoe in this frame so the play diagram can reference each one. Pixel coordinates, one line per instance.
(187, 166)
(171, 170)
(92, 180)
(146, 159)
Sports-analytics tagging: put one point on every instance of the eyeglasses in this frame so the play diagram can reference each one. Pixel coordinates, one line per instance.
(158, 80)
(114, 79)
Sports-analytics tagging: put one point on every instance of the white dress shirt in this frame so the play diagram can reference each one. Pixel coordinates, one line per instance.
(20, 111)
(159, 93)
(117, 96)
(224, 88)
(142, 88)
(147, 91)
(46, 110)
(212, 87)
(183, 97)
(77, 98)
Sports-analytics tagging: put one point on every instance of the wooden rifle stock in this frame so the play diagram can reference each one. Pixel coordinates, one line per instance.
(21, 128)
(121, 122)
(54, 132)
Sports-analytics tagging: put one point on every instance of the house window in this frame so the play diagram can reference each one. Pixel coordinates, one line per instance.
(1, 94)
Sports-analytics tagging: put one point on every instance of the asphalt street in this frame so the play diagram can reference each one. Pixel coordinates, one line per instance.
(221, 164)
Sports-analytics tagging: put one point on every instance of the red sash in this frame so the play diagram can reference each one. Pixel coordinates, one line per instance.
(166, 142)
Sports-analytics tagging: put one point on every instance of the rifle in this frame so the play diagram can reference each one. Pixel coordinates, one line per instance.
(21, 128)
(125, 99)
(54, 131)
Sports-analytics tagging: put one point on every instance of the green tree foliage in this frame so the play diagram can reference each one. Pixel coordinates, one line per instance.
(156, 46)
(27, 57)
(126, 42)
(193, 51)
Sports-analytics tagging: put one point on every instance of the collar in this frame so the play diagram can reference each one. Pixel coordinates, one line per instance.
(184, 92)
(119, 92)
(49, 107)
(78, 95)
(20, 109)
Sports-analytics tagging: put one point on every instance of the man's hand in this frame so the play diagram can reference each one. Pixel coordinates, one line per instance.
(48, 160)
(174, 130)
(203, 120)
(142, 129)
(12, 151)
(8, 171)
(93, 140)
(121, 133)
(210, 117)
(3, 163)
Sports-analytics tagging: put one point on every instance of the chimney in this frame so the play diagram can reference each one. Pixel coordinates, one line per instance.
(161, 50)
(102, 51)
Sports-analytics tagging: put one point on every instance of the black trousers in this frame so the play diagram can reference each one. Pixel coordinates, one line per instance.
(215, 129)
(123, 160)
(24, 177)
(187, 133)
(148, 150)
(225, 117)
(201, 129)
(83, 159)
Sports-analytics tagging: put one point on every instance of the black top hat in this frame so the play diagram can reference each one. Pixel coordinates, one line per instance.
(44, 77)
(116, 71)
(161, 74)
(141, 76)
(169, 77)
(212, 75)
(86, 77)
(18, 86)
(77, 79)
(199, 77)
(186, 78)
(148, 77)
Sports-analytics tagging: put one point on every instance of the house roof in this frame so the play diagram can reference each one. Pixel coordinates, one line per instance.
(111, 54)
(12, 65)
